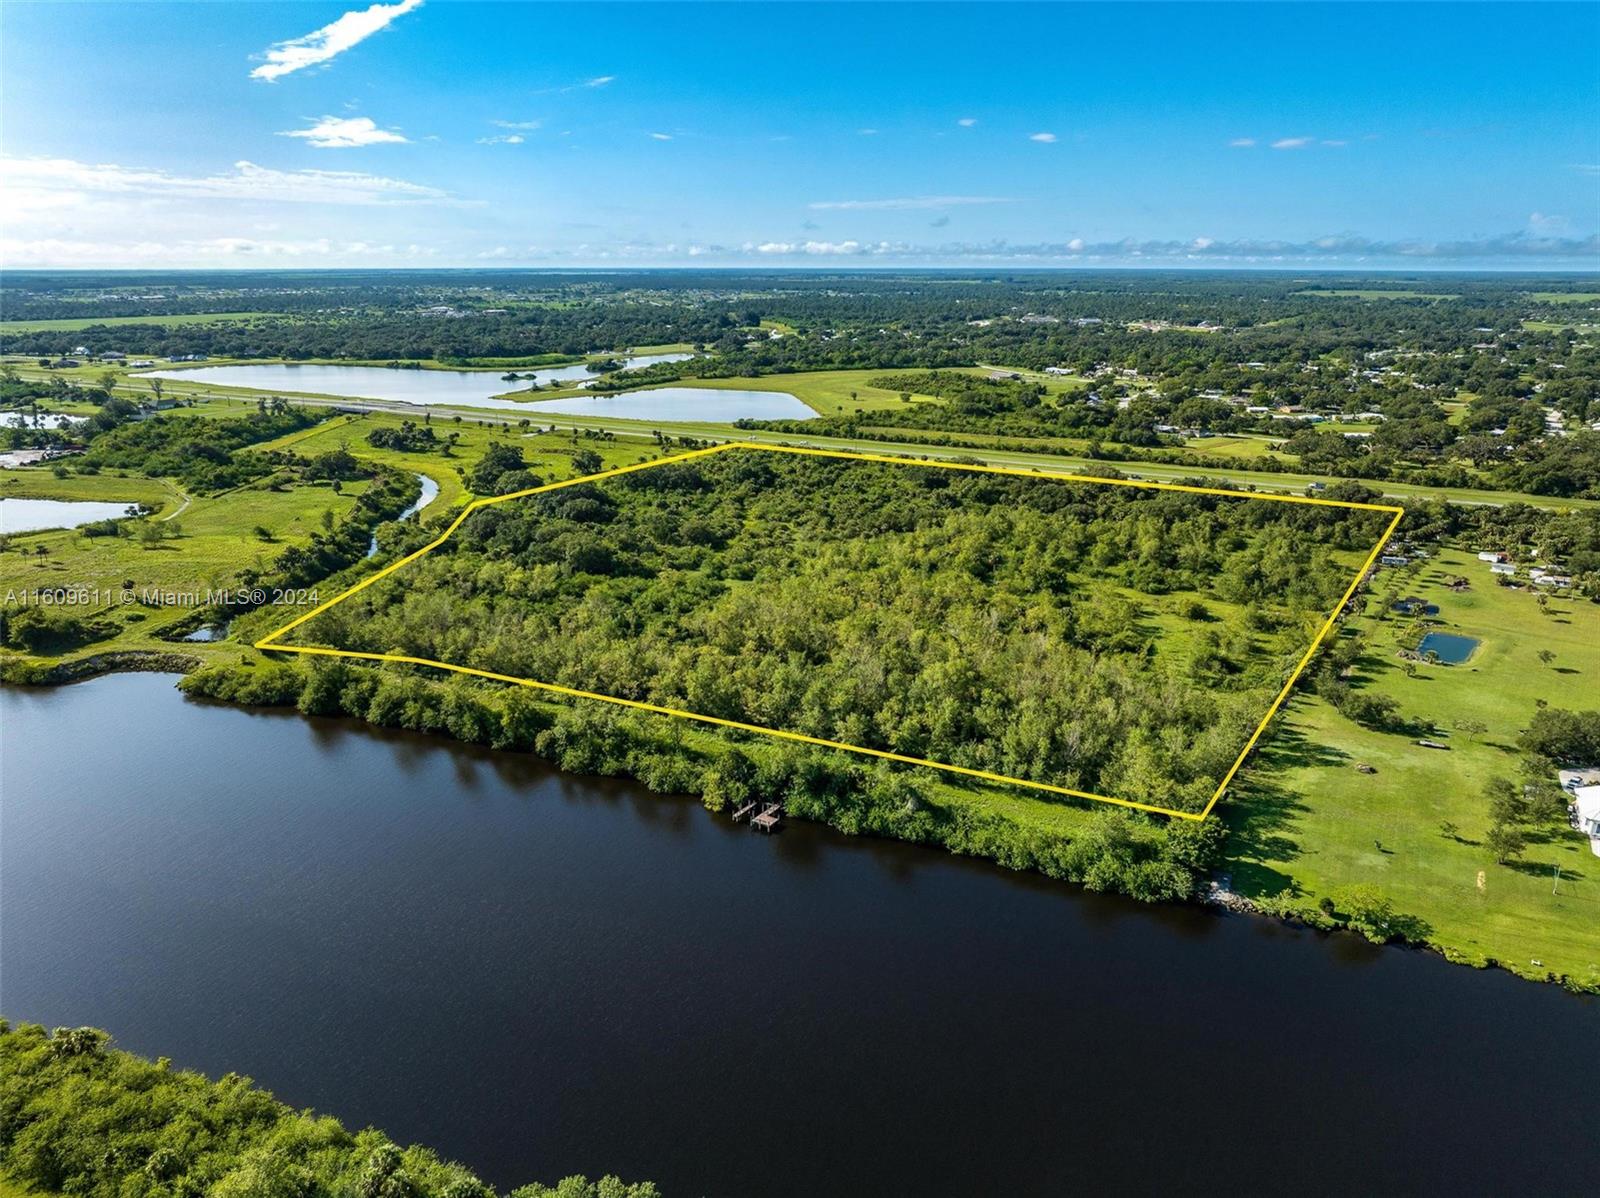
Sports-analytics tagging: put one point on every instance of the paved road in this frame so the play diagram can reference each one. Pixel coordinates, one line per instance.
(1154, 471)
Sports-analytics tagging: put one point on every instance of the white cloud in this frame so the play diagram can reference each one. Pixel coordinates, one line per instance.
(344, 132)
(662, 136)
(1242, 143)
(967, 122)
(504, 139)
(598, 81)
(867, 132)
(1291, 143)
(209, 251)
(525, 125)
(1587, 168)
(1047, 138)
(1202, 243)
(332, 40)
(1541, 222)
(1335, 142)
(850, 248)
(903, 203)
(63, 182)
(1075, 246)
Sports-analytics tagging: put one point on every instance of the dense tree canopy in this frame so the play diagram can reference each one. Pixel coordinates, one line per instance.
(1110, 639)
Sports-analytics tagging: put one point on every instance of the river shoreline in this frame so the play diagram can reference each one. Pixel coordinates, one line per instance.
(534, 971)
(1211, 894)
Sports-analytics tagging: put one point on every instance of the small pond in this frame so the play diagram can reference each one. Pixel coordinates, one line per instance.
(1416, 607)
(207, 633)
(41, 420)
(1451, 649)
(32, 515)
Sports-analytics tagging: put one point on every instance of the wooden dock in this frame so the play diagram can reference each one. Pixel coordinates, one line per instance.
(769, 817)
(747, 809)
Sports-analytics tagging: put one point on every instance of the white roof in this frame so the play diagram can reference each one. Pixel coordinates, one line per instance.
(1588, 803)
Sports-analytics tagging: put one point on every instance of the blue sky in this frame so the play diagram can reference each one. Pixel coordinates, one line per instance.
(444, 133)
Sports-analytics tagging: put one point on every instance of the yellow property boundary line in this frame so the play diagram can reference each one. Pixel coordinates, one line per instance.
(270, 641)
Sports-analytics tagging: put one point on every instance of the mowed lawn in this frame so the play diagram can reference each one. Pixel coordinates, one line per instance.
(1304, 814)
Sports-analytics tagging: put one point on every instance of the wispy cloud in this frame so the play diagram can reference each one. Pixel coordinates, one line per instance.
(68, 183)
(344, 132)
(867, 132)
(1341, 248)
(1291, 143)
(1335, 142)
(908, 202)
(522, 125)
(662, 136)
(819, 248)
(967, 122)
(323, 45)
(1047, 138)
(503, 139)
(208, 251)
(580, 85)
(1587, 168)
(1242, 143)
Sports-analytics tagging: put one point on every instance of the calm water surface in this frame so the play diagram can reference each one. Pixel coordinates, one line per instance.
(1449, 647)
(32, 515)
(682, 403)
(541, 974)
(477, 389)
(430, 492)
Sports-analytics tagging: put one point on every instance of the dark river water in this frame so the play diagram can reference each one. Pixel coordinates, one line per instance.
(540, 975)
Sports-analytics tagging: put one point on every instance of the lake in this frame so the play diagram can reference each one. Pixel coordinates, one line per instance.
(539, 974)
(34, 515)
(1450, 648)
(718, 404)
(477, 389)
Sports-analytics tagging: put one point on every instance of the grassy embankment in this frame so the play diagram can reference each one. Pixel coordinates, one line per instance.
(1303, 814)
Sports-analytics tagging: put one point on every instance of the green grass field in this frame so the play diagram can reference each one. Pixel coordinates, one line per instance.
(37, 482)
(1565, 297)
(1557, 326)
(1305, 815)
(217, 540)
(68, 325)
(548, 454)
(1380, 294)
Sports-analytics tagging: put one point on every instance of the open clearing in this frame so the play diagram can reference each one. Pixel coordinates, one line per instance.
(71, 324)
